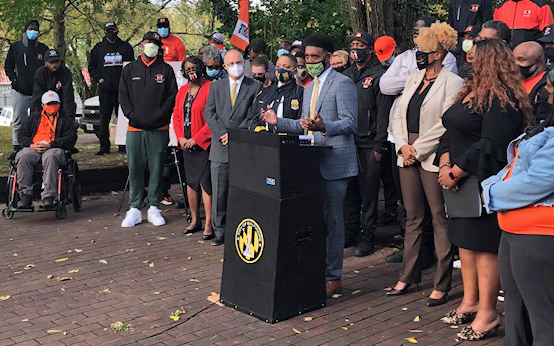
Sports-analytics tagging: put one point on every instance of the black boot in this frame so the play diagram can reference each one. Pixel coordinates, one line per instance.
(25, 202)
(366, 244)
(48, 203)
(103, 151)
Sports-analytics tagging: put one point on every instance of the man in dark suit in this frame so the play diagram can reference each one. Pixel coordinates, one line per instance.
(330, 107)
(227, 107)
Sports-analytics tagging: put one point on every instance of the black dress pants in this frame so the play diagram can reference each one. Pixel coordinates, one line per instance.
(108, 103)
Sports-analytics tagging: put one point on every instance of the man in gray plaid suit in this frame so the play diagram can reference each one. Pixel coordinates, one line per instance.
(330, 110)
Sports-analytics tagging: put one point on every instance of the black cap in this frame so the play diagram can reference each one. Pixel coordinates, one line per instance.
(163, 22)
(154, 37)
(321, 41)
(362, 36)
(548, 35)
(110, 25)
(52, 55)
(473, 30)
(32, 21)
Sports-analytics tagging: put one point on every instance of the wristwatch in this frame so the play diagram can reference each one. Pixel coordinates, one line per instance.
(452, 175)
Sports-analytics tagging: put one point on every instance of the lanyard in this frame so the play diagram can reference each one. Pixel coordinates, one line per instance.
(51, 126)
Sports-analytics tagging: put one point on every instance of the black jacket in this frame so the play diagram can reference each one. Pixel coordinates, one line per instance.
(22, 62)
(465, 13)
(291, 95)
(539, 100)
(106, 61)
(65, 136)
(61, 82)
(147, 93)
(373, 106)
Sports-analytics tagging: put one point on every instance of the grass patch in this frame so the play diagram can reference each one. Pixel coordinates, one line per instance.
(85, 157)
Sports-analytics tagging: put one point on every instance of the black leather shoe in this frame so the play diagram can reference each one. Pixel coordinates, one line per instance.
(437, 302)
(217, 242)
(401, 292)
(102, 151)
(25, 202)
(208, 236)
(122, 149)
(396, 257)
(48, 203)
(194, 230)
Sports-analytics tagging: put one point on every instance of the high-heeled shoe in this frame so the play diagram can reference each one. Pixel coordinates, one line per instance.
(401, 292)
(437, 302)
(208, 236)
(468, 334)
(198, 228)
(454, 319)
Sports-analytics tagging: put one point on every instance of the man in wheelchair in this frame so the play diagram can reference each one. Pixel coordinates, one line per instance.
(44, 137)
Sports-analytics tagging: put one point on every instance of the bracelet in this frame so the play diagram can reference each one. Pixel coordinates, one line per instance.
(444, 165)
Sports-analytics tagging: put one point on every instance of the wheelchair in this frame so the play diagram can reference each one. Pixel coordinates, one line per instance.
(68, 191)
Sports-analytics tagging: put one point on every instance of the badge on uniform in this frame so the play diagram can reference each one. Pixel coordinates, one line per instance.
(367, 82)
(294, 104)
(160, 78)
(474, 8)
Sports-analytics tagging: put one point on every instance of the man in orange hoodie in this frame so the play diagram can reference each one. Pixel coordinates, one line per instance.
(173, 48)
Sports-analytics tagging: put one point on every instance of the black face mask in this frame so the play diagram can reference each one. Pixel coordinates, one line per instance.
(422, 60)
(340, 69)
(111, 36)
(466, 71)
(259, 77)
(526, 71)
(359, 54)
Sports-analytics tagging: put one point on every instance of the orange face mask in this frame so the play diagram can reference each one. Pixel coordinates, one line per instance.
(52, 108)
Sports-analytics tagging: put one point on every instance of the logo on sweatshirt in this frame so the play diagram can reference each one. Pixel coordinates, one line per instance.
(474, 8)
(160, 78)
(39, 56)
(113, 59)
(527, 13)
(367, 82)
(58, 85)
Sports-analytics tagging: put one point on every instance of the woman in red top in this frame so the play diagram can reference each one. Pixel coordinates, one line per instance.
(194, 138)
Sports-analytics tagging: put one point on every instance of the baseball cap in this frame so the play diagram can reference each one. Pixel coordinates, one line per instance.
(297, 43)
(163, 22)
(362, 36)
(50, 96)
(216, 37)
(384, 47)
(473, 30)
(110, 25)
(52, 55)
(154, 37)
(548, 35)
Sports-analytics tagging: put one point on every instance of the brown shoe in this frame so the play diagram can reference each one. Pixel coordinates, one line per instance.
(332, 287)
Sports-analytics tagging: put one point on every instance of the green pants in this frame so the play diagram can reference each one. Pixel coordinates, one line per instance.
(146, 149)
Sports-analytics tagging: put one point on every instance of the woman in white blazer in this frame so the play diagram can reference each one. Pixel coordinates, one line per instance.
(417, 128)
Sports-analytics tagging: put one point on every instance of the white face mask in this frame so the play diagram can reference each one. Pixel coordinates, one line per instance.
(237, 70)
(467, 45)
(150, 49)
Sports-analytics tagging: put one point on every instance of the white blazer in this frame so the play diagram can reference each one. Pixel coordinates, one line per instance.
(441, 96)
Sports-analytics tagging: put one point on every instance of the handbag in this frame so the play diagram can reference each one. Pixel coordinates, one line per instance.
(465, 201)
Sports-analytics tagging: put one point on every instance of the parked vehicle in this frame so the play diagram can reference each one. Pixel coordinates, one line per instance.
(90, 121)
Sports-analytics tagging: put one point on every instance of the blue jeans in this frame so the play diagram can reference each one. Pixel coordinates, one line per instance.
(333, 192)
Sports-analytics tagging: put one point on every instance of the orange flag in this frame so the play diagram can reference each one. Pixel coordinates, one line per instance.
(241, 35)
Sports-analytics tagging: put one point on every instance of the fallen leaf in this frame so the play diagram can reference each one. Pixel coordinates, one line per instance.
(357, 271)
(105, 290)
(156, 293)
(64, 278)
(190, 257)
(411, 340)
(174, 318)
(25, 320)
(161, 238)
(61, 259)
(151, 265)
(415, 331)
(404, 309)
(114, 193)
(214, 298)
(194, 280)
(388, 289)
(73, 271)
(296, 331)
(177, 314)
(454, 327)
(15, 254)
(416, 319)
(78, 250)
(221, 260)
(17, 272)
(120, 326)
(344, 328)
(49, 276)
(51, 331)
(103, 261)
(69, 251)
(336, 295)
(356, 292)
(308, 319)
(5, 297)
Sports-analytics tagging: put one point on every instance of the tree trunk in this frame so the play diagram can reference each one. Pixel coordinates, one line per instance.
(59, 29)
(358, 15)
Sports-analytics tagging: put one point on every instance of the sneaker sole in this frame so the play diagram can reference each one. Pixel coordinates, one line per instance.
(138, 223)
(149, 220)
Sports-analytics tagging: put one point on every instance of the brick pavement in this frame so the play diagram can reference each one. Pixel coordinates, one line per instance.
(151, 272)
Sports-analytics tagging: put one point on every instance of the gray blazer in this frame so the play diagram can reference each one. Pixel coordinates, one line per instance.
(220, 116)
(338, 107)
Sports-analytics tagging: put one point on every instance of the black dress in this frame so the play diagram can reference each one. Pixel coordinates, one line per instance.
(196, 160)
(477, 144)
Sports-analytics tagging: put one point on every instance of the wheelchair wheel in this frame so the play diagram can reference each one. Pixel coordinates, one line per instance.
(7, 214)
(75, 188)
(61, 213)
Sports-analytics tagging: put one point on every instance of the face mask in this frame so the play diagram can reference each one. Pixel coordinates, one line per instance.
(315, 69)
(283, 75)
(526, 71)
(340, 69)
(467, 45)
(237, 70)
(281, 52)
(164, 32)
(259, 77)
(111, 36)
(301, 73)
(213, 73)
(359, 54)
(32, 34)
(52, 109)
(422, 59)
(150, 49)
(192, 76)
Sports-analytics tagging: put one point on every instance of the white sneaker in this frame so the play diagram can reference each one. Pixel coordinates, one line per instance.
(132, 218)
(155, 216)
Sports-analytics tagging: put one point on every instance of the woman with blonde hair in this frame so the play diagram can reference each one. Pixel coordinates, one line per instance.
(417, 128)
(339, 61)
(491, 110)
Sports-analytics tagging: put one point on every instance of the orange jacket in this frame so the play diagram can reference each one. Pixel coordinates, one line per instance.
(174, 49)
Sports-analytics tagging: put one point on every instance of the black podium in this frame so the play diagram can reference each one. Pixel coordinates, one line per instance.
(274, 262)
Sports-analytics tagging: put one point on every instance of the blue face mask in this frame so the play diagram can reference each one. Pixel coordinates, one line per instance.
(32, 34)
(164, 32)
(281, 52)
(212, 73)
